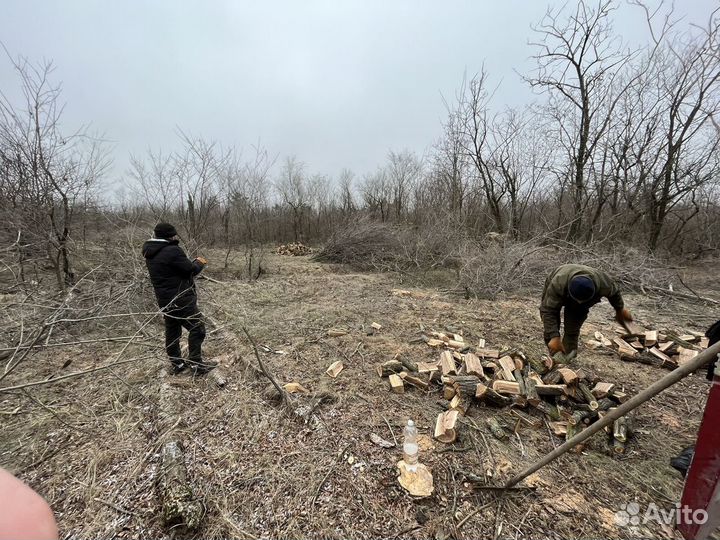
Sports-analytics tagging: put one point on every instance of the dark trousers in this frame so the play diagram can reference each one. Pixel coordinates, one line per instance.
(190, 318)
(573, 318)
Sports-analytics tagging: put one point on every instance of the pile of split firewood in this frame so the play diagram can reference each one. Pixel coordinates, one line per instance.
(661, 349)
(295, 249)
(549, 388)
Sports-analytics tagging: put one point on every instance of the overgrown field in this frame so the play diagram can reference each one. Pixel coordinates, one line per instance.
(90, 444)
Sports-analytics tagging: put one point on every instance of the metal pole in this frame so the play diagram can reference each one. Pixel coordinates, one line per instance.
(650, 392)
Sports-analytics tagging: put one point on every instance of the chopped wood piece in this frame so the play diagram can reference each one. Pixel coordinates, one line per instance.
(409, 364)
(635, 344)
(481, 344)
(473, 365)
(602, 389)
(456, 344)
(336, 332)
(588, 396)
(427, 367)
(435, 342)
(704, 342)
(448, 392)
(445, 426)
(447, 363)
(620, 431)
(415, 381)
(376, 326)
(617, 395)
(568, 375)
(552, 377)
(379, 441)
(624, 347)
(508, 366)
(593, 344)
(418, 482)
(690, 338)
(496, 429)
(661, 355)
(603, 340)
(487, 353)
(559, 428)
(666, 347)
(550, 389)
(459, 404)
(335, 369)
(633, 328)
(530, 391)
(396, 384)
(539, 366)
(295, 388)
(458, 337)
(520, 380)
(387, 368)
(651, 337)
(686, 355)
(506, 387)
(489, 395)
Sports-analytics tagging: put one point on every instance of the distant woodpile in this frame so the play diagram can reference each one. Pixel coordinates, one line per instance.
(295, 249)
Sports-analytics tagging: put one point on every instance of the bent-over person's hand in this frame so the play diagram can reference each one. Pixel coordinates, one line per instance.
(202, 260)
(555, 346)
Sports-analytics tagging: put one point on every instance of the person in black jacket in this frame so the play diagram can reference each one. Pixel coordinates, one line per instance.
(171, 273)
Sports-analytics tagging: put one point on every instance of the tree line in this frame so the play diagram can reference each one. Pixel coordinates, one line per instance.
(621, 146)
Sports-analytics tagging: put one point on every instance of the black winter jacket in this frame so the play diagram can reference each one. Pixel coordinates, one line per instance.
(171, 273)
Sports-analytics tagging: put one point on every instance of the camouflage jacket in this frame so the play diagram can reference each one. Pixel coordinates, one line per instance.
(555, 294)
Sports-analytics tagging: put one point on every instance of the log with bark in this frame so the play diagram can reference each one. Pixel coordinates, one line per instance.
(388, 368)
(445, 426)
(486, 394)
(496, 429)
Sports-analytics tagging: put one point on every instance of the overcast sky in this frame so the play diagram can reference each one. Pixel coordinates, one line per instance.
(336, 83)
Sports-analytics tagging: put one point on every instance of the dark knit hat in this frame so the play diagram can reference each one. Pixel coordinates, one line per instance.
(581, 289)
(164, 230)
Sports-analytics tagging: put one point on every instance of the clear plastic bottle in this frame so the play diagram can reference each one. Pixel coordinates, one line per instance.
(410, 446)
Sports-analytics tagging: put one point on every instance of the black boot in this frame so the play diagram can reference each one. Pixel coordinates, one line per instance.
(201, 367)
(177, 366)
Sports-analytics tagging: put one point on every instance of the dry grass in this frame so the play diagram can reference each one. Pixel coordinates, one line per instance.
(91, 448)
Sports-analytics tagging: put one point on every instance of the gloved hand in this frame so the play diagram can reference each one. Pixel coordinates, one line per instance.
(623, 315)
(202, 260)
(555, 346)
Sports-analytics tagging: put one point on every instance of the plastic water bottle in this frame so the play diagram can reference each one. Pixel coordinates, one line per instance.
(410, 446)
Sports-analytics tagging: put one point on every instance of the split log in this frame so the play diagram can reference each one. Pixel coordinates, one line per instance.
(295, 388)
(507, 364)
(633, 328)
(396, 384)
(686, 355)
(651, 337)
(435, 342)
(460, 404)
(335, 368)
(409, 365)
(550, 389)
(624, 347)
(456, 344)
(447, 363)
(520, 381)
(336, 332)
(603, 340)
(473, 365)
(568, 375)
(667, 347)
(531, 392)
(376, 326)
(415, 381)
(637, 345)
(448, 392)
(445, 426)
(559, 428)
(602, 389)
(489, 395)
(506, 387)
(487, 353)
(588, 396)
(466, 388)
(617, 395)
(538, 365)
(552, 377)
(388, 368)
(661, 355)
(427, 367)
(496, 429)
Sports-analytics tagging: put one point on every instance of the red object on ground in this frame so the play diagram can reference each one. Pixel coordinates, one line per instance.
(702, 484)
